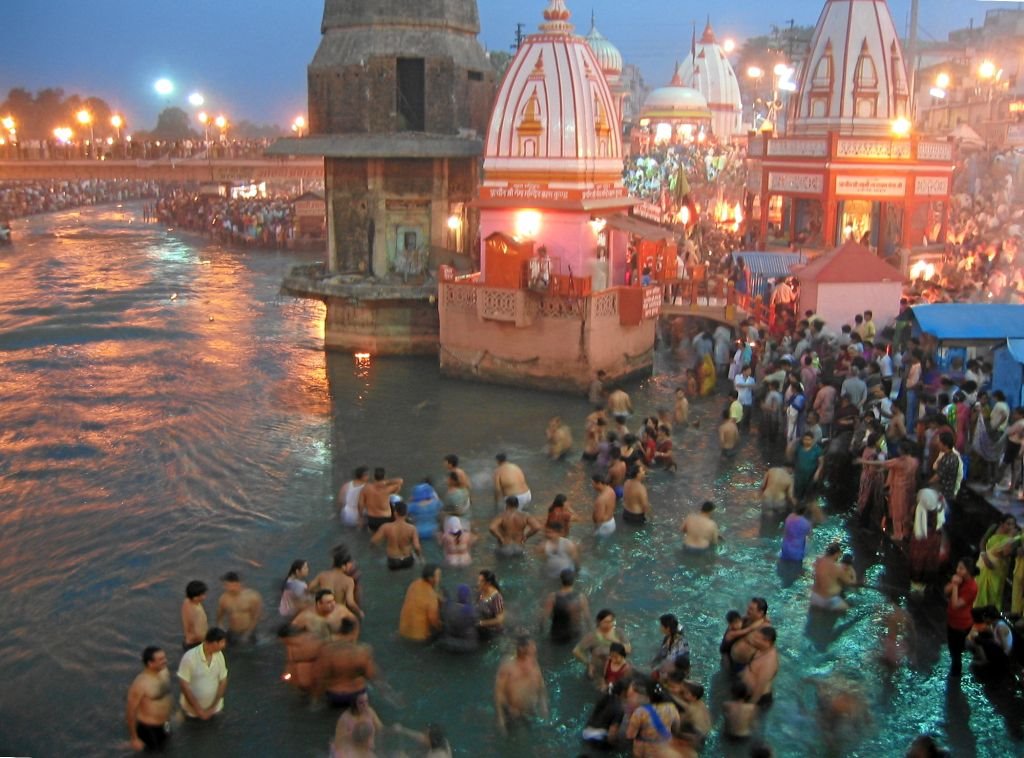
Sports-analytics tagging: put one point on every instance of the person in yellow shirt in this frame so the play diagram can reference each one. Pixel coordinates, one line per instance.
(421, 609)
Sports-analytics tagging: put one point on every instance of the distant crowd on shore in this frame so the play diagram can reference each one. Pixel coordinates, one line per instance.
(256, 222)
(21, 199)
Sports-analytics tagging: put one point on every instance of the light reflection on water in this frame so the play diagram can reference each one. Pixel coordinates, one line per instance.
(166, 415)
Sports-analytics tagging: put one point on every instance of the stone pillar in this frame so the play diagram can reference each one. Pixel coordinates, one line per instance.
(440, 205)
(376, 212)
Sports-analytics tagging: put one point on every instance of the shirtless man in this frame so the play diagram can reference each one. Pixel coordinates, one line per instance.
(763, 666)
(519, 689)
(777, 491)
(681, 411)
(728, 434)
(402, 538)
(616, 471)
(241, 607)
(831, 577)
(604, 507)
(513, 528)
(338, 580)
(149, 705)
(700, 532)
(451, 463)
(636, 507)
(509, 481)
(375, 500)
(324, 619)
(193, 616)
(619, 405)
(594, 432)
(344, 666)
(559, 437)
(301, 651)
(741, 648)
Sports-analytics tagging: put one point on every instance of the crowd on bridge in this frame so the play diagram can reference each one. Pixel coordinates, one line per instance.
(143, 149)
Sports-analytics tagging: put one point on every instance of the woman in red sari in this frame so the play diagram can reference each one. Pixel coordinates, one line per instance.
(902, 468)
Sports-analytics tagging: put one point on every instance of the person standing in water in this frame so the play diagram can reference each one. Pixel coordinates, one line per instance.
(604, 507)
(519, 689)
(148, 710)
(509, 481)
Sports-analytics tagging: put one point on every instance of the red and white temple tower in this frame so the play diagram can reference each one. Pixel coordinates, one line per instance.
(848, 166)
(707, 70)
(552, 179)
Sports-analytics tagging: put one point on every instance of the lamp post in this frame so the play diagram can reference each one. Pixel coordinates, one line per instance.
(196, 100)
(988, 72)
(85, 119)
(204, 119)
(12, 133)
(299, 125)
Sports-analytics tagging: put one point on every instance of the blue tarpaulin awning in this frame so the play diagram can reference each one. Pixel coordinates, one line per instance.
(770, 265)
(971, 321)
(1016, 348)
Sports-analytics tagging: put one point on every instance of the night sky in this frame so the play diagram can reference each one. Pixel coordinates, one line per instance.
(249, 57)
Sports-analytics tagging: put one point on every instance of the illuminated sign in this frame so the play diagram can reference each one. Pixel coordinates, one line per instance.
(878, 186)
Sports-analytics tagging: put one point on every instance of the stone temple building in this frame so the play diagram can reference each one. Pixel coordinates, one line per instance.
(399, 96)
(400, 92)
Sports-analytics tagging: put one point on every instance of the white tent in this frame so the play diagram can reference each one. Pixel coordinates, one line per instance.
(965, 136)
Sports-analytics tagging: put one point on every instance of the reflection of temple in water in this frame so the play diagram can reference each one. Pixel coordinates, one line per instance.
(847, 168)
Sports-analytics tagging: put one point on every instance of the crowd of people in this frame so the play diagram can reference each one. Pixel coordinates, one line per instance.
(800, 396)
(148, 149)
(917, 435)
(249, 222)
(20, 199)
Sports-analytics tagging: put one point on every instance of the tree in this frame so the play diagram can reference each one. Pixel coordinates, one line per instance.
(173, 124)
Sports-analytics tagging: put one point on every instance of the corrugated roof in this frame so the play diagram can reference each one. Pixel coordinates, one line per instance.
(639, 227)
(971, 321)
(850, 263)
(771, 265)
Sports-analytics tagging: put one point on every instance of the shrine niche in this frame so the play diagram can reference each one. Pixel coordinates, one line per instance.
(819, 103)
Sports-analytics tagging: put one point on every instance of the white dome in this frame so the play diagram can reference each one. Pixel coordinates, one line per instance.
(554, 114)
(606, 53)
(854, 80)
(707, 69)
(675, 102)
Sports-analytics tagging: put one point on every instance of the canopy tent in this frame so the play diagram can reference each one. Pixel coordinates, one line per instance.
(965, 136)
(765, 266)
(971, 322)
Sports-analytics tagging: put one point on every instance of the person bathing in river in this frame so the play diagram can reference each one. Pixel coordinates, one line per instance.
(559, 438)
(832, 576)
(509, 481)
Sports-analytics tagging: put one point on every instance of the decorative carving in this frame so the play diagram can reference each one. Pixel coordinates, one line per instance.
(559, 307)
(497, 304)
(606, 305)
(934, 151)
(802, 148)
(931, 186)
(865, 148)
(460, 297)
(804, 183)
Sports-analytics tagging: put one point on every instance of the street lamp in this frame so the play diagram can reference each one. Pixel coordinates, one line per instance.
(85, 119)
(117, 122)
(987, 70)
(942, 80)
(299, 125)
(221, 123)
(196, 100)
(163, 87)
(205, 121)
(728, 46)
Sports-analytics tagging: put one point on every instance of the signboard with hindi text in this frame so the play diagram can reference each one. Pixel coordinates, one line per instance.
(871, 186)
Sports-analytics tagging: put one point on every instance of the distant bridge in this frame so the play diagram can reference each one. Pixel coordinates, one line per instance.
(166, 170)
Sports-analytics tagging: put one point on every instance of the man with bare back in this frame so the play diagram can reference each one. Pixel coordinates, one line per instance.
(509, 481)
(375, 500)
(402, 540)
(513, 528)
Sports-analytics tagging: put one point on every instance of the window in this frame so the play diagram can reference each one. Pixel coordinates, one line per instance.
(411, 79)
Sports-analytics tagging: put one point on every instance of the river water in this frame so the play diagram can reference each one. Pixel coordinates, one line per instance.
(166, 415)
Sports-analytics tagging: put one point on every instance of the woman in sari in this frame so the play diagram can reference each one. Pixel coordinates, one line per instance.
(707, 376)
(994, 563)
(926, 542)
(902, 469)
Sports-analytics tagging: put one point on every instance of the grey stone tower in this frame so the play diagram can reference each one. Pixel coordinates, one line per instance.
(400, 93)
(400, 65)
